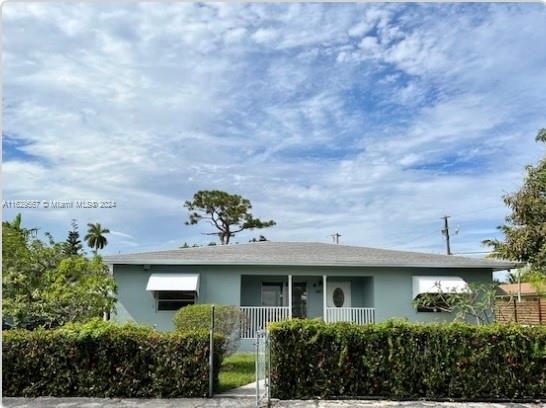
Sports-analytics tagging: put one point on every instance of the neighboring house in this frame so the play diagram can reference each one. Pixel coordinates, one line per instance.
(272, 281)
(521, 303)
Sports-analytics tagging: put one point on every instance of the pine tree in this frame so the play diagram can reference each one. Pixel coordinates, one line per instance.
(228, 213)
(73, 244)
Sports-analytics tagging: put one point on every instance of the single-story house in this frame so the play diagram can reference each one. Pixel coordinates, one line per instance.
(271, 281)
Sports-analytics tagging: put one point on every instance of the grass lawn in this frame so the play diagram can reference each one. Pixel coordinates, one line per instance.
(237, 369)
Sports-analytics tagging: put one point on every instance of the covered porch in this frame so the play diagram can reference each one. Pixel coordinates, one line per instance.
(272, 298)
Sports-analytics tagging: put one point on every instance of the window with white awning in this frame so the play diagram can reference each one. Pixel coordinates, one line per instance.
(173, 281)
(440, 287)
(174, 290)
(438, 284)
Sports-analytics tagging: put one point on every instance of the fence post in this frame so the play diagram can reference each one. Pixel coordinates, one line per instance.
(539, 311)
(211, 353)
(268, 348)
(257, 367)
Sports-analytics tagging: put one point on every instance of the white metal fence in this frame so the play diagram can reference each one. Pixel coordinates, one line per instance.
(358, 315)
(256, 318)
(263, 369)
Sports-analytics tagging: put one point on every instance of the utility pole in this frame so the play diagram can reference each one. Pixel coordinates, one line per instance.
(335, 237)
(445, 232)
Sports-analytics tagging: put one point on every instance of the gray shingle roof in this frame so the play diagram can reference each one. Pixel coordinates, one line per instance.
(304, 254)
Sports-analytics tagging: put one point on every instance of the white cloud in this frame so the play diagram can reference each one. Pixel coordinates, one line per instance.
(369, 120)
(359, 29)
(121, 234)
(235, 35)
(265, 36)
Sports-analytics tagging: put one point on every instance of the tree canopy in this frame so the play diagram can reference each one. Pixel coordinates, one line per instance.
(525, 227)
(43, 286)
(227, 213)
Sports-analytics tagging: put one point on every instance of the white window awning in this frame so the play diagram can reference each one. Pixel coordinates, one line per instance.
(437, 284)
(173, 281)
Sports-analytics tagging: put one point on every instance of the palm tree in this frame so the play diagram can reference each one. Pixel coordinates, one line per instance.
(95, 236)
(17, 225)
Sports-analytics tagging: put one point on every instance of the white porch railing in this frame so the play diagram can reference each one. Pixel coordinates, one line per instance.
(358, 315)
(255, 318)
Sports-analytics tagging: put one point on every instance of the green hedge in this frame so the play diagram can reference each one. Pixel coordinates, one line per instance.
(101, 359)
(402, 360)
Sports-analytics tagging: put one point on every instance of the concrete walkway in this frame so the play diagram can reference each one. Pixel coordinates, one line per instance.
(246, 391)
(230, 402)
(128, 403)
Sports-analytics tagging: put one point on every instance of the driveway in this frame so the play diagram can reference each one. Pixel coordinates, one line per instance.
(239, 403)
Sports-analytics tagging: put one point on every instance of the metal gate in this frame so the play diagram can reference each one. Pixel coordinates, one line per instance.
(263, 369)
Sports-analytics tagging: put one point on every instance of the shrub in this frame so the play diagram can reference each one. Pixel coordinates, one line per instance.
(403, 360)
(101, 359)
(227, 322)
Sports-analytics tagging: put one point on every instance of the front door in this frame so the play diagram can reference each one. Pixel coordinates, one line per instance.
(299, 300)
(339, 294)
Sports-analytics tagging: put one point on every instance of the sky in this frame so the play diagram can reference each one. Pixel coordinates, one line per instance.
(370, 120)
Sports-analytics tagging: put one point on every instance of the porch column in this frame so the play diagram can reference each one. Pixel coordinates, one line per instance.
(290, 296)
(324, 297)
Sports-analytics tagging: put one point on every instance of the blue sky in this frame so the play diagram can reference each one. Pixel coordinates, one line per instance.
(364, 119)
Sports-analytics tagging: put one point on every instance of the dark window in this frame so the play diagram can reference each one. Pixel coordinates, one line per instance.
(174, 300)
(272, 294)
(435, 304)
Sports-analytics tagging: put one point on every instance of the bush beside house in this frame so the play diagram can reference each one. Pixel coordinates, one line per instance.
(100, 359)
(402, 360)
(227, 322)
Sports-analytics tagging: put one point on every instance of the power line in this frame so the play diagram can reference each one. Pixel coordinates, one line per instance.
(479, 210)
(473, 252)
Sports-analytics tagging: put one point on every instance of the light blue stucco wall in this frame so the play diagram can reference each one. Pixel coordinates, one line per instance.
(389, 290)
(216, 285)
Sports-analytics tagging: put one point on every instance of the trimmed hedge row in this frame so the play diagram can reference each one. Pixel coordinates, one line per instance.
(402, 360)
(101, 359)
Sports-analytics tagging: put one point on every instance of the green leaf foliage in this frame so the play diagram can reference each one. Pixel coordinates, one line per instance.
(525, 228)
(102, 359)
(402, 360)
(44, 287)
(227, 320)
